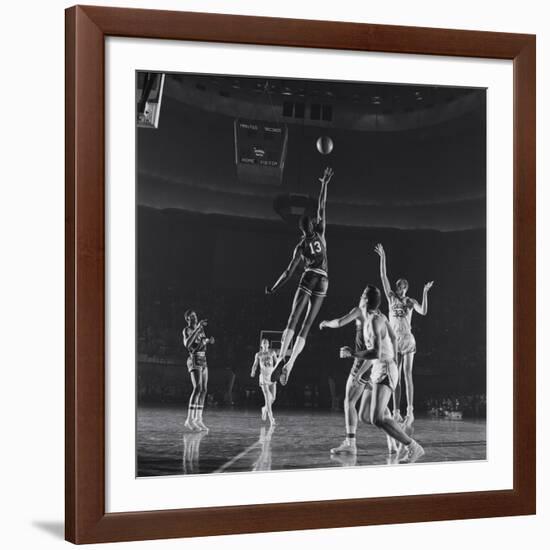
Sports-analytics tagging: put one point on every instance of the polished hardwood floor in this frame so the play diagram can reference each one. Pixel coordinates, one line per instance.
(238, 441)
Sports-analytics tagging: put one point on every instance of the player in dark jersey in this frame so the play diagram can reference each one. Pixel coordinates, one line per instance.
(195, 340)
(401, 308)
(312, 289)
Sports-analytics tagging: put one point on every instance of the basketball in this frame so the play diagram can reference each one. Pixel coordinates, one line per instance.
(324, 145)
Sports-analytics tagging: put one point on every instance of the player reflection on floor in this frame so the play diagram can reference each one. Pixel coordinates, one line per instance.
(191, 451)
(345, 460)
(264, 460)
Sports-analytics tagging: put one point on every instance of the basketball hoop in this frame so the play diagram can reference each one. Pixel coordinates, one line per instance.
(293, 206)
(275, 338)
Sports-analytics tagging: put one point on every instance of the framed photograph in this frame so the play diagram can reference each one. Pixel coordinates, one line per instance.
(300, 274)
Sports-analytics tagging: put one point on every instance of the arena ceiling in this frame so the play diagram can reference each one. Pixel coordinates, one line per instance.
(404, 156)
(351, 105)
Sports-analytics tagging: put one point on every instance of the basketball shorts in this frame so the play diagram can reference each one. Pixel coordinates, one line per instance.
(406, 343)
(265, 377)
(196, 361)
(314, 284)
(384, 372)
(361, 366)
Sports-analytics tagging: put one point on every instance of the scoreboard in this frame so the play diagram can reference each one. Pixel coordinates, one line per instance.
(260, 150)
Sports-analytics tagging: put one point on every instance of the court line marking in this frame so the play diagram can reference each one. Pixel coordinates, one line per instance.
(236, 457)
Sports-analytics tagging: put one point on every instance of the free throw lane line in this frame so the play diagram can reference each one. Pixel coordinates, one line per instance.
(230, 463)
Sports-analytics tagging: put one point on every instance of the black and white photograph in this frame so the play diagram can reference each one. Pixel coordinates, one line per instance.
(275, 274)
(311, 274)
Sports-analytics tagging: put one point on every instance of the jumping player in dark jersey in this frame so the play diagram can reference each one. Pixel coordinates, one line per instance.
(195, 340)
(312, 290)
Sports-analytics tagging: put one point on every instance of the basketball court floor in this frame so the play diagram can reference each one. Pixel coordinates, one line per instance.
(239, 441)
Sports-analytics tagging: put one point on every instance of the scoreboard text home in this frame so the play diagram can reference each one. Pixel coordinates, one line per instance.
(260, 151)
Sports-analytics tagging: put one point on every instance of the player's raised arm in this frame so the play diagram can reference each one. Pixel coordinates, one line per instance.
(423, 308)
(287, 273)
(322, 203)
(354, 314)
(379, 249)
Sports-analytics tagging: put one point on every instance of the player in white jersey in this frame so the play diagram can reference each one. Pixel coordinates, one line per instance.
(195, 340)
(401, 308)
(358, 384)
(377, 329)
(266, 359)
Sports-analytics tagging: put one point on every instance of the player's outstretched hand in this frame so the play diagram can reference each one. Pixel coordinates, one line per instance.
(345, 352)
(211, 340)
(203, 322)
(327, 175)
(322, 325)
(428, 285)
(268, 290)
(379, 249)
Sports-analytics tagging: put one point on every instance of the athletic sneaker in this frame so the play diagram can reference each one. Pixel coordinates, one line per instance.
(201, 425)
(285, 375)
(277, 371)
(347, 447)
(414, 452)
(191, 426)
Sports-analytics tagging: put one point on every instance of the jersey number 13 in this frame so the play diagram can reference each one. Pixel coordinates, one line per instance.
(315, 247)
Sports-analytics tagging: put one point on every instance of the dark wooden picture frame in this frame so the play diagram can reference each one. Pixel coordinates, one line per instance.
(86, 30)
